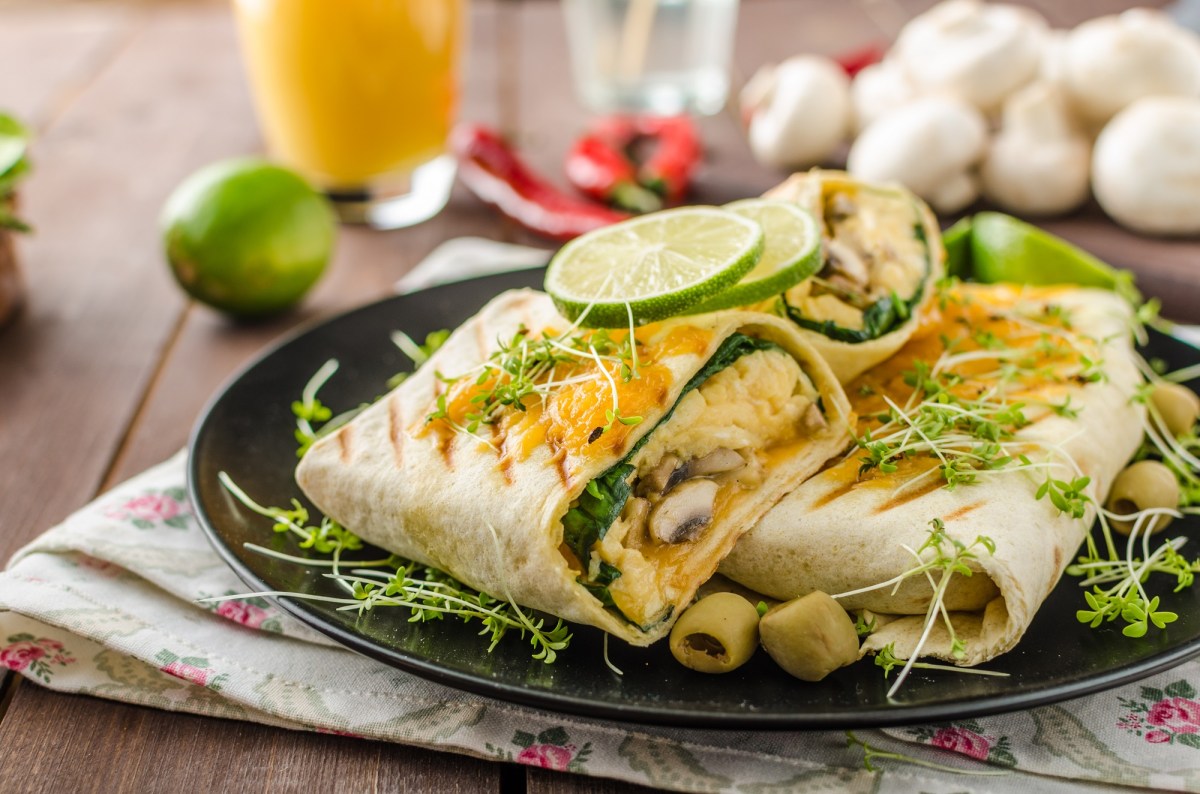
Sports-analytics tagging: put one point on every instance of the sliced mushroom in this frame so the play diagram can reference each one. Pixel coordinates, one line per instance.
(657, 480)
(846, 266)
(636, 512)
(719, 461)
(813, 419)
(685, 512)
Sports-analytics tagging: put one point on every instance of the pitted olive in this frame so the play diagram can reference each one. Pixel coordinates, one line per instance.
(1143, 485)
(810, 636)
(717, 634)
(1178, 406)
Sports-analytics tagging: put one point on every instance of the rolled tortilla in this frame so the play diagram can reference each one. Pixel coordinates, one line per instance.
(489, 508)
(844, 529)
(882, 255)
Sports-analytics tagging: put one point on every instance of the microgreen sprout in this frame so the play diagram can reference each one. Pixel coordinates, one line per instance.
(528, 367)
(428, 594)
(871, 753)
(418, 353)
(308, 409)
(949, 556)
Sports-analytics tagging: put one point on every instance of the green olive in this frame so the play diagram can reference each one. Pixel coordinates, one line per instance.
(1142, 485)
(810, 636)
(1178, 406)
(716, 634)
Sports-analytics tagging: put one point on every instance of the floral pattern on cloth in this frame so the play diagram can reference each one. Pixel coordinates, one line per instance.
(167, 507)
(253, 612)
(968, 738)
(35, 656)
(193, 669)
(131, 629)
(1170, 715)
(550, 749)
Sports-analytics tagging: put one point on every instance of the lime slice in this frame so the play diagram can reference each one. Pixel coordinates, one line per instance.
(792, 253)
(1006, 249)
(658, 265)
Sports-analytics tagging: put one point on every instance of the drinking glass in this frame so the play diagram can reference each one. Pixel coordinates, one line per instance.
(655, 56)
(359, 96)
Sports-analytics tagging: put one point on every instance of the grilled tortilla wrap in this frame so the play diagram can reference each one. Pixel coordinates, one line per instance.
(611, 527)
(882, 252)
(846, 528)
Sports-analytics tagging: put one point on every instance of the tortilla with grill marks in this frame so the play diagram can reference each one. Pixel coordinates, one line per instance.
(490, 508)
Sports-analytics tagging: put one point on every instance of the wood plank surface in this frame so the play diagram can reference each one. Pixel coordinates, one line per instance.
(109, 367)
(188, 357)
(112, 747)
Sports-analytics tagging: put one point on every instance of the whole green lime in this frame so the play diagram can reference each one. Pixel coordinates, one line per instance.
(246, 236)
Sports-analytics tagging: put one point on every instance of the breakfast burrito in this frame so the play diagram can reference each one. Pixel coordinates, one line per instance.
(882, 253)
(982, 427)
(581, 473)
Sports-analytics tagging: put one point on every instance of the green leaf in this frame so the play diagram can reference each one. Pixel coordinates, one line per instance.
(1190, 739)
(14, 143)
(556, 736)
(1135, 630)
(523, 738)
(1150, 693)
(1179, 689)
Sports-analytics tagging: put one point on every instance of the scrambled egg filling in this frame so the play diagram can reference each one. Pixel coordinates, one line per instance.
(871, 251)
(759, 401)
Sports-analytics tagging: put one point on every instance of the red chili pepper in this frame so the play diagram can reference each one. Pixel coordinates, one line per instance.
(498, 176)
(668, 170)
(620, 153)
(855, 61)
(602, 172)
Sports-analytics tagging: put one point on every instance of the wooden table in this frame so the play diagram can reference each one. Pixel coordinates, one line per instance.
(108, 367)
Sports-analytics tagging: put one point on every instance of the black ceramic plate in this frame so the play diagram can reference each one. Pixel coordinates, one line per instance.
(247, 431)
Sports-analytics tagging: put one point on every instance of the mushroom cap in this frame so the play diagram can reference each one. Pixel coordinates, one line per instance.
(926, 145)
(800, 112)
(879, 89)
(1038, 163)
(1111, 61)
(1146, 166)
(979, 52)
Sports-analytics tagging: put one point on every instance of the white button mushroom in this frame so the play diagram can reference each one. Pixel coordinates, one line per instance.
(930, 146)
(877, 90)
(799, 111)
(979, 52)
(1146, 166)
(1038, 163)
(1114, 60)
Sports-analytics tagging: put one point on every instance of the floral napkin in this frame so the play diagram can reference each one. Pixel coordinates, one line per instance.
(106, 604)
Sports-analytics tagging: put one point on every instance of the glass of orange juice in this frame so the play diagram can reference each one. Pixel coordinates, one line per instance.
(359, 96)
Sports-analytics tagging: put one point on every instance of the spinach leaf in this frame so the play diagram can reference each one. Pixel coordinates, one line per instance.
(599, 586)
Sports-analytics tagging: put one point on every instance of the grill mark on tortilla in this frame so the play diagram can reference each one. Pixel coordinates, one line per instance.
(444, 442)
(962, 511)
(500, 442)
(344, 444)
(396, 430)
(929, 487)
(836, 493)
(559, 458)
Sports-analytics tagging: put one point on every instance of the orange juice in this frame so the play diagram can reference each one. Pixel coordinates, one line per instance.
(353, 92)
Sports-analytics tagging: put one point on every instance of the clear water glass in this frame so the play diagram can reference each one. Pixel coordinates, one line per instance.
(652, 56)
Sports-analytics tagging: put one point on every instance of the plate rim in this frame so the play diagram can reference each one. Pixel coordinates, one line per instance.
(897, 715)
